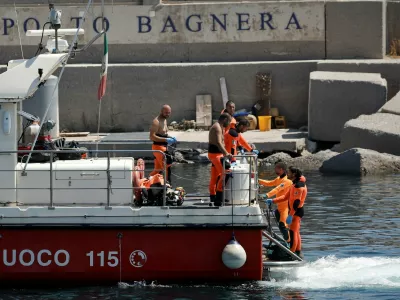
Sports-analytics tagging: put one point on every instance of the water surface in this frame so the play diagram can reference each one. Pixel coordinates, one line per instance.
(351, 240)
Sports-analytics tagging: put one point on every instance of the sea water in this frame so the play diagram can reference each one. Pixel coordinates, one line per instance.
(351, 241)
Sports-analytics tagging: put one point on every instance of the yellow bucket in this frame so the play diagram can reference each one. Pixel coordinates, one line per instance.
(264, 123)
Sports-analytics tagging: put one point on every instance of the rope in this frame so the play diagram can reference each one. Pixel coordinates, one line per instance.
(100, 101)
(56, 86)
(19, 34)
(180, 177)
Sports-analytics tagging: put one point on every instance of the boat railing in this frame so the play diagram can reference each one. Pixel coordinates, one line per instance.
(52, 157)
(251, 190)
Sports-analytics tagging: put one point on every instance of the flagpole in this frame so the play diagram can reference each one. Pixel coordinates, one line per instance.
(99, 112)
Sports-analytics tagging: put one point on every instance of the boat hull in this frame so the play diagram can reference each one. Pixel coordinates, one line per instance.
(108, 255)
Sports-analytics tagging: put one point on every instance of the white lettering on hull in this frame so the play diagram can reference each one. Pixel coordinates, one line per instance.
(31, 259)
(112, 260)
(27, 258)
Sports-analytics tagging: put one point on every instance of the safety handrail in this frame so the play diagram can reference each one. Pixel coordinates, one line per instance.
(252, 158)
(82, 151)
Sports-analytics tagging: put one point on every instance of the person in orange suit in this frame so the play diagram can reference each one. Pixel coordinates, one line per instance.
(241, 142)
(216, 154)
(233, 138)
(295, 197)
(161, 140)
(230, 109)
(282, 184)
(137, 175)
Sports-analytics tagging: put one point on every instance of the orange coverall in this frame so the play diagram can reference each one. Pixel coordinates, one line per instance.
(232, 139)
(282, 185)
(295, 197)
(159, 159)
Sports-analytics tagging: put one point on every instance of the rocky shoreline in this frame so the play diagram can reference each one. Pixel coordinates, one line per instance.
(356, 161)
(369, 145)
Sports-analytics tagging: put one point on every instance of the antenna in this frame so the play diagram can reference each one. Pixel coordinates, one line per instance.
(55, 44)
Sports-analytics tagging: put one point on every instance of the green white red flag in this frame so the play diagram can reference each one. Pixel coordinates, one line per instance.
(104, 66)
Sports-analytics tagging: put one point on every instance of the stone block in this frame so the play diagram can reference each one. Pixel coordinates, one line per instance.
(379, 132)
(355, 29)
(392, 106)
(337, 97)
(361, 162)
(388, 68)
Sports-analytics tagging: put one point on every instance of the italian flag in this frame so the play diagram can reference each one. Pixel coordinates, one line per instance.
(104, 66)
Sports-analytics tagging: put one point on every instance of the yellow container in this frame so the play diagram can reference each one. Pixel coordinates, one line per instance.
(264, 123)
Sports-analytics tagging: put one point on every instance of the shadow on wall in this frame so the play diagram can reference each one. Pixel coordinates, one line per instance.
(135, 92)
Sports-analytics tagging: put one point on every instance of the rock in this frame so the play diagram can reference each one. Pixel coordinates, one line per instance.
(203, 158)
(306, 162)
(189, 154)
(179, 157)
(359, 161)
(336, 148)
(379, 132)
(337, 97)
(272, 159)
(303, 128)
(183, 125)
(312, 161)
(392, 106)
(311, 146)
(200, 151)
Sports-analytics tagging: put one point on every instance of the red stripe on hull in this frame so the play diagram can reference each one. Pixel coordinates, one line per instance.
(147, 254)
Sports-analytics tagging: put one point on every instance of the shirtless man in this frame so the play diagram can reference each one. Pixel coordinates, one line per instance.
(216, 153)
(160, 138)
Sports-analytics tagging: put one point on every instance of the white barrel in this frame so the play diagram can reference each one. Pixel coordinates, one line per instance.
(237, 186)
(250, 159)
(37, 105)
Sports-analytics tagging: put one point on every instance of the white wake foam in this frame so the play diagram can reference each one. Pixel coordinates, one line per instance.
(331, 272)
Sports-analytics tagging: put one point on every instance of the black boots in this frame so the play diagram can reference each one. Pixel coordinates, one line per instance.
(299, 254)
(218, 199)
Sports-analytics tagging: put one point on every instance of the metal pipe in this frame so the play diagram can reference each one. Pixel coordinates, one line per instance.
(54, 90)
(250, 162)
(2, 152)
(95, 38)
(223, 184)
(51, 181)
(56, 39)
(165, 180)
(108, 180)
(293, 255)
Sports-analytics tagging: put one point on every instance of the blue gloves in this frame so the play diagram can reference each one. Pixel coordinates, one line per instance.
(263, 196)
(171, 140)
(256, 151)
(289, 220)
(233, 164)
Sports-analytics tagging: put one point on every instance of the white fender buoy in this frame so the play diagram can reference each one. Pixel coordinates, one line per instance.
(234, 256)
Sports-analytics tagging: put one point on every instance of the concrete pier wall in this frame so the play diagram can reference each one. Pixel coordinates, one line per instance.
(215, 31)
(135, 92)
(190, 46)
